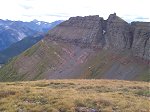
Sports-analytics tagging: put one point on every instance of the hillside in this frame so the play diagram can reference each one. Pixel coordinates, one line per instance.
(78, 96)
(18, 47)
(14, 31)
(86, 47)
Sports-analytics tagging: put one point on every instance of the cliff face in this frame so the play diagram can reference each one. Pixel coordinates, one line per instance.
(113, 33)
(135, 36)
(85, 31)
(141, 39)
(118, 34)
(86, 47)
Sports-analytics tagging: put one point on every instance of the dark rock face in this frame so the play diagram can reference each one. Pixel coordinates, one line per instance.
(141, 39)
(121, 36)
(80, 30)
(118, 34)
(113, 33)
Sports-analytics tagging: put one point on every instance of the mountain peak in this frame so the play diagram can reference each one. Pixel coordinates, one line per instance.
(35, 20)
(115, 18)
(86, 47)
(91, 17)
(79, 30)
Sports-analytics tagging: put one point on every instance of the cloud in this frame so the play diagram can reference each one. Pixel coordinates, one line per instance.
(51, 15)
(56, 15)
(26, 7)
(29, 0)
(50, 10)
(28, 15)
(142, 18)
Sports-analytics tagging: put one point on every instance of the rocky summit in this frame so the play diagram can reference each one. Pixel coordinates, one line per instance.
(86, 47)
(87, 31)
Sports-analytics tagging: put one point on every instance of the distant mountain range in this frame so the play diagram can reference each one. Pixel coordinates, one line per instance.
(18, 48)
(17, 36)
(86, 47)
(14, 31)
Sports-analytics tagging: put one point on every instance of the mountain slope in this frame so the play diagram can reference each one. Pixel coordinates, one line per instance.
(8, 37)
(84, 47)
(14, 31)
(18, 47)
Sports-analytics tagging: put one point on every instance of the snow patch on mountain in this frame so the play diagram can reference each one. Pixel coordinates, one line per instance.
(38, 23)
(21, 35)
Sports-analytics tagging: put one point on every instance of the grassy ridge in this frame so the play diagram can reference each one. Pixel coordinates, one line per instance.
(48, 59)
(37, 59)
(74, 96)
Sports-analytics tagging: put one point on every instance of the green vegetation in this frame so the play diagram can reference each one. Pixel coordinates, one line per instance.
(32, 50)
(143, 93)
(46, 60)
(144, 76)
(17, 48)
(6, 70)
(74, 96)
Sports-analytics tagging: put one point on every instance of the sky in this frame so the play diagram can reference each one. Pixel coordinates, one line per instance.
(51, 10)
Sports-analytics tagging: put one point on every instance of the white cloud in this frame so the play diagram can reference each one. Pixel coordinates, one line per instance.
(51, 10)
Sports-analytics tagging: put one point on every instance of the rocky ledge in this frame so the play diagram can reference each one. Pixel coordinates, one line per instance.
(113, 33)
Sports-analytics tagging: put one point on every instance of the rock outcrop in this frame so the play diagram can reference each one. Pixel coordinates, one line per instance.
(118, 33)
(113, 33)
(141, 39)
(87, 31)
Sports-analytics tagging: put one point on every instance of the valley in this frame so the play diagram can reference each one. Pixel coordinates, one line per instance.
(18, 36)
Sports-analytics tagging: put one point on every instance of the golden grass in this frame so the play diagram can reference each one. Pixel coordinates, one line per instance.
(75, 96)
